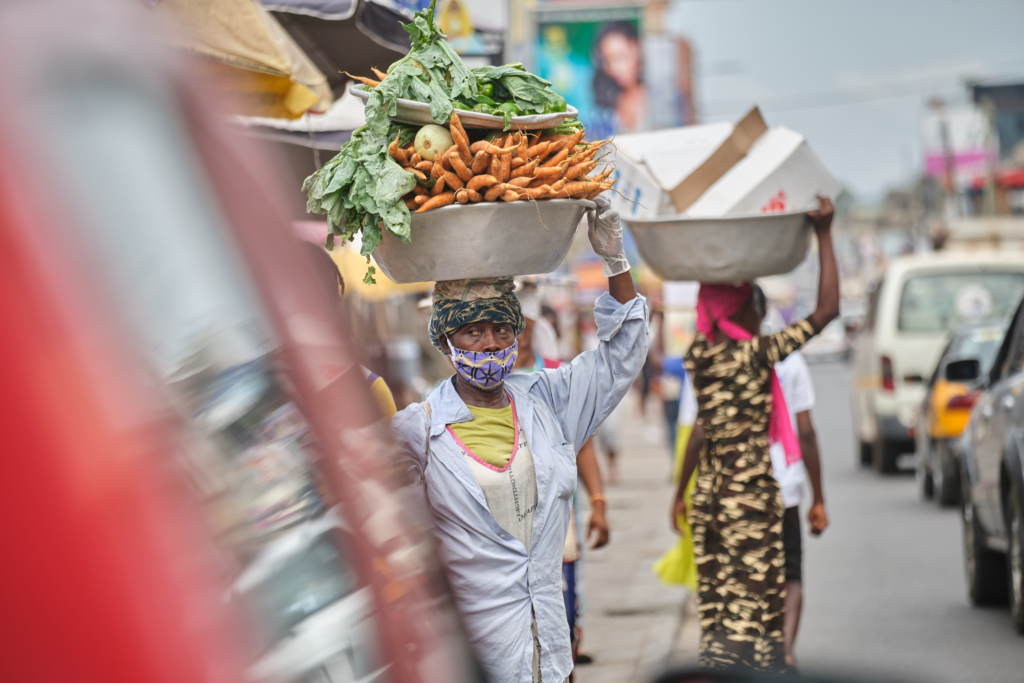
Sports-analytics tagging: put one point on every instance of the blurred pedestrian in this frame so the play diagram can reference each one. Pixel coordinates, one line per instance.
(737, 510)
(798, 388)
(497, 457)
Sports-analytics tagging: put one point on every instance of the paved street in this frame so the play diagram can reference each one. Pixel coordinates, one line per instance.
(885, 586)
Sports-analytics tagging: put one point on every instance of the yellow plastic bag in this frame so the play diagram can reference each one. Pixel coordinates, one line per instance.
(678, 565)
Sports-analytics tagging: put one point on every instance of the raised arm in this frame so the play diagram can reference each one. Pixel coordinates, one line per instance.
(828, 277)
(583, 393)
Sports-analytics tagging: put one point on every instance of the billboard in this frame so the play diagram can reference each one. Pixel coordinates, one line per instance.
(602, 63)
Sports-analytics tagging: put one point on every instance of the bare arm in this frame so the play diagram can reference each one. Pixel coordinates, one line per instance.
(692, 456)
(816, 516)
(590, 475)
(621, 287)
(828, 278)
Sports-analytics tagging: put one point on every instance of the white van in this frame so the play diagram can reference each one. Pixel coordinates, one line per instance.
(919, 301)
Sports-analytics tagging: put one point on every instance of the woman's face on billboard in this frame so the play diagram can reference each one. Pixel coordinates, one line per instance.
(621, 57)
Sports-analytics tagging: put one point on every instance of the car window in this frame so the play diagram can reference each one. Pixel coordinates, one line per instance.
(942, 302)
(190, 306)
(981, 344)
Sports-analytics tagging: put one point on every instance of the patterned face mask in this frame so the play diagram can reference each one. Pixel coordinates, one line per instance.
(484, 370)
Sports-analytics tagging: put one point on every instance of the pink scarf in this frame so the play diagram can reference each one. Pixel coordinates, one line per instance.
(715, 305)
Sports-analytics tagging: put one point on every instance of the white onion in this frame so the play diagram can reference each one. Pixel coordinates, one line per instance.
(431, 139)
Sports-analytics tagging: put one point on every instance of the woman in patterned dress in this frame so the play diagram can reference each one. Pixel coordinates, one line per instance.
(737, 508)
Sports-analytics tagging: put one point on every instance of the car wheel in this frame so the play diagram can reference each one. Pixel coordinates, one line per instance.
(1015, 559)
(884, 455)
(865, 454)
(986, 570)
(925, 482)
(946, 477)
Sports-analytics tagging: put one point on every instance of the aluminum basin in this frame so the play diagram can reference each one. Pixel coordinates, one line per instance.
(410, 111)
(488, 239)
(722, 249)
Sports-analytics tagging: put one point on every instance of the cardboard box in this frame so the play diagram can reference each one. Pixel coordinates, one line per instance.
(718, 170)
(780, 174)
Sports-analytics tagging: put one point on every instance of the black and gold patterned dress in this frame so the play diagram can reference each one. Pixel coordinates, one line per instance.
(737, 508)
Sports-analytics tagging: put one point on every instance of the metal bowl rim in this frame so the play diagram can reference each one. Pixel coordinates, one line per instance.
(721, 219)
(540, 202)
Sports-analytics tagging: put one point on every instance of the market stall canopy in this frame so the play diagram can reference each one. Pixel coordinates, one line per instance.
(249, 54)
(344, 35)
(327, 131)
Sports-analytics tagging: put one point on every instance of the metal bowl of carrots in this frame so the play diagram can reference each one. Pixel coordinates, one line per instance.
(488, 239)
(722, 249)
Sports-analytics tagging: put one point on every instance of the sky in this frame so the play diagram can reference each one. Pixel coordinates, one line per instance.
(853, 76)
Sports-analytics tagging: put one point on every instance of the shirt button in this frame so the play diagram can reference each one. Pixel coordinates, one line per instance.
(503, 535)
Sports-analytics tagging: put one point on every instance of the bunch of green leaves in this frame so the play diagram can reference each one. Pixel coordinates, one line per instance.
(432, 72)
(362, 187)
(529, 93)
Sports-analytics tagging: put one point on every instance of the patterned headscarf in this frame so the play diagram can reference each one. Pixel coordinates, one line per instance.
(458, 303)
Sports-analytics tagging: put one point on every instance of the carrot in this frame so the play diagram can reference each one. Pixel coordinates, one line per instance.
(460, 168)
(523, 149)
(495, 168)
(549, 173)
(479, 182)
(506, 167)
(539, 192)
(461, 139)
(579, 170)
(410, 203)
(557, 186)
(420, 190)
(378, 73)
(415, 159)
(576, 189)
(437, 170)
(365, 81)
(416, 172)
(422, 199)
(496, 191)
(462, 196)
(490, 148)
(526, 169)
(474, 196)
(511, 196)
(538, 150)
(438, 187)
(453, 181)
(446, 162)
(557, 159)
(520, 182)
(443, 199)
(397, 153)
(425, 166)
(480, 162)
(517, 162)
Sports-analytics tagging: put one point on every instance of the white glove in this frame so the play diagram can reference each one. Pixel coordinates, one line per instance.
(605, 235)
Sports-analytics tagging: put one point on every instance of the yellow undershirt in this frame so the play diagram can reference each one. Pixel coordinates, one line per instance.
(490, 435)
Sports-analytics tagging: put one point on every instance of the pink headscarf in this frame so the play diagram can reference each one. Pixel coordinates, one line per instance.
(715, 305)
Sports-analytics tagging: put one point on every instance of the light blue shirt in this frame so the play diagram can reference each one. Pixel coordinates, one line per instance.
(499, 584)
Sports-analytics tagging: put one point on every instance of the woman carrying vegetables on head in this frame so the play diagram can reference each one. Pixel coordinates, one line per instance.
(496, 453)
(737, 508)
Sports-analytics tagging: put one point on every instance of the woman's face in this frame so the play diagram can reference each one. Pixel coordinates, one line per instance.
(621, 57)
(484, 337)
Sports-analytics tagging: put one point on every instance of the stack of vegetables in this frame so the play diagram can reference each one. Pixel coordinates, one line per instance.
(508, 167)
(389, 169)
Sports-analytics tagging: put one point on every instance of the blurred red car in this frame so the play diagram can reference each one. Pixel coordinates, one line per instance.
(195, 486)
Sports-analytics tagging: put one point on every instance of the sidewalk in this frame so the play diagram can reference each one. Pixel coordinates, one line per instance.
(632, 625)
